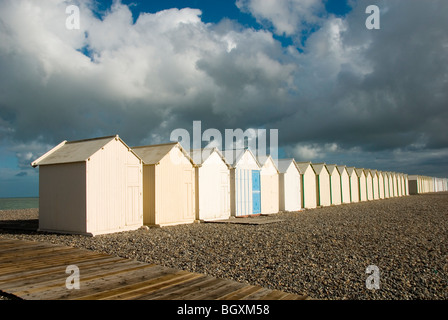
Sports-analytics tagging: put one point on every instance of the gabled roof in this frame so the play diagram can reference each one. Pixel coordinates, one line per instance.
(74, 151)
(233, 156)
(318, 167)
(332, 167)
(303, 166)
(199, 156)
(360, 171)
(341, 169)
(284, 164)
(153, 154)
(351, 170)
(262, 160)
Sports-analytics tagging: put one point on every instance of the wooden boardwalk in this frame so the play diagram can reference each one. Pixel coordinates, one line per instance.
(37, 271)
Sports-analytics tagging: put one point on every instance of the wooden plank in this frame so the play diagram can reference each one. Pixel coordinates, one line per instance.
(52, 274)
(190, 290)
(241, 293)
(160, 294)
(43, 263)
(42, 272)
(33, 270)
(98, 285)
(39, 288)
(274, 295)
(202, 291)
(154, 285)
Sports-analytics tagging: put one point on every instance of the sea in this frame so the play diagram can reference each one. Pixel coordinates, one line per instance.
(18, 203)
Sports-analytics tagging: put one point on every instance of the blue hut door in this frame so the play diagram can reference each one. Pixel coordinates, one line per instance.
(256, 192)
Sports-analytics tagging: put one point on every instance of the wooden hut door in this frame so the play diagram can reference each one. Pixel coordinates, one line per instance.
(256, 192)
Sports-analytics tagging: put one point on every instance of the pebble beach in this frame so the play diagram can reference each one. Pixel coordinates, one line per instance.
(321, 252)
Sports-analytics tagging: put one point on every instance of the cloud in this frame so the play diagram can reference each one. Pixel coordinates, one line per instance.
(21, 174)
(287, 17)
(348, 93)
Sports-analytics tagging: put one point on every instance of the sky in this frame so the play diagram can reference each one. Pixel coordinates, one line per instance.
(336, 91)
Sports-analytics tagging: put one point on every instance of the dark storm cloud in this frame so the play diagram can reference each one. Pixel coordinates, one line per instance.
(350, 94)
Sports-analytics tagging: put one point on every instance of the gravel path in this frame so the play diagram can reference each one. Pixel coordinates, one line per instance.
(322, 252)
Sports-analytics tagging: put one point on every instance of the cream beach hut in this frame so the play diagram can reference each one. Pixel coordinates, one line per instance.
(354, 184)
(212, 184)
(335, 184)
(391, 184)
(269, 177)
(322, 184)
(362, 183)
(395, 183)
(345, 184)
(381, 193)
(386, 184)
(90, 187)
(168, 184)
(290, 193)
(245, 182)
(369, 184)
(308, 185)
(375, 187)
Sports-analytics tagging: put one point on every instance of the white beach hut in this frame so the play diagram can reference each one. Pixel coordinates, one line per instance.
(90, 187)
(308, 184)
(375, 186)
(395, 183)
(335, 184)
(391, 184)
(386, 184)
(168, 184)
(354, 184)
(212, 184)
(381, 193)
(369, 184)
(345, 184)
(362, 183)
(245, 182)
(322, 184)
(269, 176)
(290, 195)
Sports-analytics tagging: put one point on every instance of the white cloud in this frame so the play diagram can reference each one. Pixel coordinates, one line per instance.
(288, 17)
(348, 87)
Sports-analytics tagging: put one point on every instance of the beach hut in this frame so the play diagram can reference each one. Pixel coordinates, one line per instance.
(290, 195)
(391, 184)
(308, 184)
(168, 184)
(406, 185)
(381, 193)
(369, 184)
(386, 184)
(362, 183)
(90, 187)
(413, 184)
(269, 185)
(212, 174)
(335, 184)
(322, 184)
(375, 187)
(245, 183)
(400, 184)
(354, 184)
(345, 184)
(395, 183)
